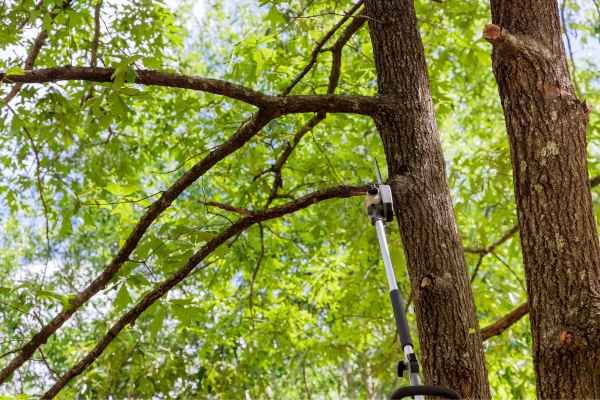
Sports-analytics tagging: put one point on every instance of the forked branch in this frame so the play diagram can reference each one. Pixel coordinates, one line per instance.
(244, 133)
(151, 297)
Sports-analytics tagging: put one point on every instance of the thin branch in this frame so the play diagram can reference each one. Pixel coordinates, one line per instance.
(52, 371)
(487, 250)
(94, 54)
(517, 277)
(38, 180)
(595, 181)
(334, 77)
(122, 201)
(34, 51)
(360, 16)
(319, 46)
(256, 269)
(306, 388)
(96, 37)
(505, 322)
(365, 105)
(563, 21)
(228, 207)
(151, 297)
(9, 352)
(476, 270)
(244, 133)
(283, 157)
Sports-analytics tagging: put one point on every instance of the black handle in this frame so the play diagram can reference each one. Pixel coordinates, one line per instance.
(424, 390)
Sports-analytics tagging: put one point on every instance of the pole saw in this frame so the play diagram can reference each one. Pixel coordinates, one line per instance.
(380, 208)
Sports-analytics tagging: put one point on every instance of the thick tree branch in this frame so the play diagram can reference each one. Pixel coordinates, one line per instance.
(242, 136)
(282, 104)
(505, 322)
(244, 133)
(319, 46)
(239, 226)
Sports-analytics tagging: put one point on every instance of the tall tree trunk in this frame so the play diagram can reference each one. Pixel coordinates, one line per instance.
(546, 125)
(451, 350)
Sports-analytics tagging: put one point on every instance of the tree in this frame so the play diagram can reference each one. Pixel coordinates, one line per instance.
(440, 286)
(213, 292)
(547, 128)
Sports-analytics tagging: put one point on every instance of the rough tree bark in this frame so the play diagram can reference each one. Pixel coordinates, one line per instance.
(451, 347)
(546, 125)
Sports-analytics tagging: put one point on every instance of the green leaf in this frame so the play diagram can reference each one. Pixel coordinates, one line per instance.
(123, 298)
(16, 71)
(157, 322)
(123, 190)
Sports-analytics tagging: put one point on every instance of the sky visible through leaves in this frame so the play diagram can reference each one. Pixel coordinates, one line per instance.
(295, 307)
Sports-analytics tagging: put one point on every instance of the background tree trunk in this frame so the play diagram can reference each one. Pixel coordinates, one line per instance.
(451, 350)
(546, 125)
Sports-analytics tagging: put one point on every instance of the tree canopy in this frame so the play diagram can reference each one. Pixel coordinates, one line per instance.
(121, 117)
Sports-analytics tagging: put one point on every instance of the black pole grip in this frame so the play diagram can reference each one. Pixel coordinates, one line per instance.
(425, 390)
(400, 316)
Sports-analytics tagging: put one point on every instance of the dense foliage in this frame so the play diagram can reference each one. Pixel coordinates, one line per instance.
(295, 307)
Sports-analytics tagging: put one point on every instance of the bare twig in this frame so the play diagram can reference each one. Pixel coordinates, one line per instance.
(52, 371)
(122, 201)
(283, 157)
(9, 352)
(151, 297)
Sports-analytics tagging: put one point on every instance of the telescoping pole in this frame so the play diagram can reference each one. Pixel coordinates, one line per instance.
(398, 305)
(380, 208)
